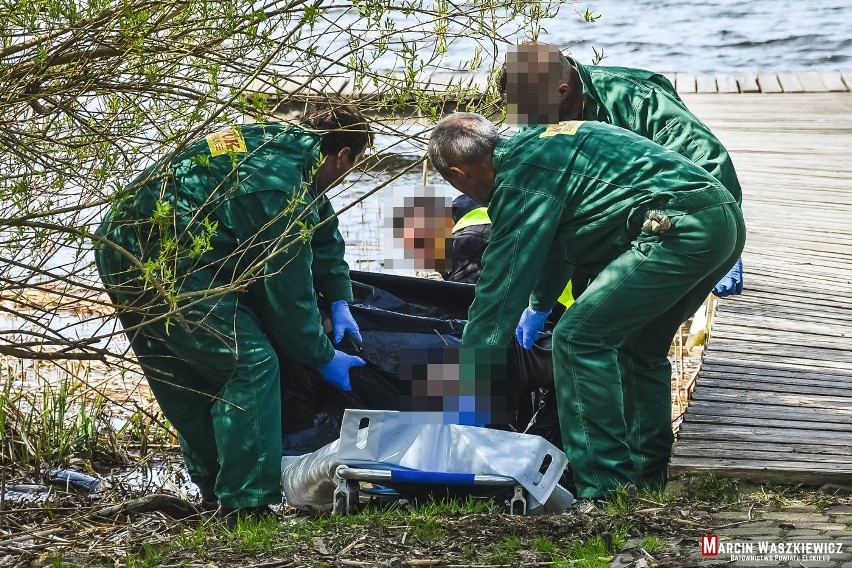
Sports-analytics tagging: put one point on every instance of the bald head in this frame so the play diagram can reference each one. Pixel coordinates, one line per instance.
(539, 85)
(460, 148)
(461, 138)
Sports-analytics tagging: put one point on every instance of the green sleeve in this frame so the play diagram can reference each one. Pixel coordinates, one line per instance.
(524, 223)
(666, 120)
(554, 276)
(331, 273)
(284, 293)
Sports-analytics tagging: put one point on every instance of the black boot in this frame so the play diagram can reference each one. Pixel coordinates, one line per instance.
(229, 516)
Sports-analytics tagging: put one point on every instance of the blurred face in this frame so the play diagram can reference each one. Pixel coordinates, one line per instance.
(421, 235)
(533, 76)
(427, 237)
(537, 88)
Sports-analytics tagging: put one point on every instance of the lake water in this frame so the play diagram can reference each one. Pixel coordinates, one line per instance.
(715, 35)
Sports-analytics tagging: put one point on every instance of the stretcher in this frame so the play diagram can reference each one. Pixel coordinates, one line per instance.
(401, 456)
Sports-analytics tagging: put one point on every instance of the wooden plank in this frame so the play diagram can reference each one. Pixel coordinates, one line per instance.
(811, 314)
(723, 408)
(811, 82)
(803, 285)
(846, 75)
(814, 285)
(761, 359)
(769, 83)
(754, 472)
(829, 359)
(773, 369)
(694, 418)
(767, 387)
(747, 82)
(820, 281)
(766, 340)
(804, 433)
(823, 355)
(770, 452)
(789, 338)
(761, 382)
(685, 83)
(840, 462)
(743, 355)
(833, 81)
(809, 401)
(705, 83)
(727, 83)
(790, 83)
(781, 324)
(759, 303)
(764, 435)
(728, 463)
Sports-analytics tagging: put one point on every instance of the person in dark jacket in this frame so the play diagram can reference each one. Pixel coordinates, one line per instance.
(471, 228)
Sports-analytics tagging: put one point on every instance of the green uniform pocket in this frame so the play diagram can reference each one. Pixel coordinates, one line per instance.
(677, 136)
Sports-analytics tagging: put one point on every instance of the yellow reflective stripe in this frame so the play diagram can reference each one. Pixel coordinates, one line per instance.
(567, 298)
(478, 216)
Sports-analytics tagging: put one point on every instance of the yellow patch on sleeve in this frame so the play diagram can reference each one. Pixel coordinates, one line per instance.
(225, 141)
(567, 127)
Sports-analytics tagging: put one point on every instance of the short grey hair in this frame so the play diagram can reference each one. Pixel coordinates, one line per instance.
(461, 138)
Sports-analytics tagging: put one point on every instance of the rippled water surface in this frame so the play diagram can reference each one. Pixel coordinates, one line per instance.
(719, 35)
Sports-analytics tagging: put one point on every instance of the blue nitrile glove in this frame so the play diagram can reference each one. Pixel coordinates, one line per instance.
(336, 371)
(342, 320)
(732, 282)
(531, 324)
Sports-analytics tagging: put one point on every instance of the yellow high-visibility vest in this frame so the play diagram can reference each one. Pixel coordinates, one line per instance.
(478, 216)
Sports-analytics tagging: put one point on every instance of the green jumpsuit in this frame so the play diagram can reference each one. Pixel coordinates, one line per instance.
(236, 205)
(646, 103)
(576, 196)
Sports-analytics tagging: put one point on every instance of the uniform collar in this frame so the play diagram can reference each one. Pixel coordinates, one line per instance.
(496, 160)
(593, 103)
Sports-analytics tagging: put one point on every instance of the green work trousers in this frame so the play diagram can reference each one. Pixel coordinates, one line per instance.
(217, 381)
(612, 373)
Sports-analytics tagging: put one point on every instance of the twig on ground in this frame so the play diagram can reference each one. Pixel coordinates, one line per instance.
(352, 545)
(736, 523)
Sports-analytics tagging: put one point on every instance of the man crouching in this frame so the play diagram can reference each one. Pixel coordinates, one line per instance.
(658, 230)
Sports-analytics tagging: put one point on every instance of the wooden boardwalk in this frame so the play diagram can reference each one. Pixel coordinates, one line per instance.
(763, 82)
(773, 400)
(686, 83)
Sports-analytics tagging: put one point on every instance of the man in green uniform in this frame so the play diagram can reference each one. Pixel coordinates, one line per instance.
(541, 86)
(214, 260)
(657, 230)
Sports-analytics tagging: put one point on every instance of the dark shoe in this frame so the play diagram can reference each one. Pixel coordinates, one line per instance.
(208, 504)
(254, 514)
(585, 506)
